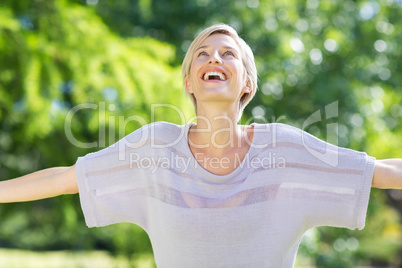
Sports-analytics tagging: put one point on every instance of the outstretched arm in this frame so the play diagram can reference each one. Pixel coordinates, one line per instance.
(388, 174)
(39, 185)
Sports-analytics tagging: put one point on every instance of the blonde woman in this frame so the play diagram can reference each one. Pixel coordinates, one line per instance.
(215, 193)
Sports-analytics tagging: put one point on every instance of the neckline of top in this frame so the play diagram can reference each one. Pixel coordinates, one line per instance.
(244, 165)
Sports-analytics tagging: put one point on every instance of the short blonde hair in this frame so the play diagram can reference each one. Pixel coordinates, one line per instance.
(246, 55)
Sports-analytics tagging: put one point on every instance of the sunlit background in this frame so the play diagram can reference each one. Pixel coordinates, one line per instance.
(123, 56)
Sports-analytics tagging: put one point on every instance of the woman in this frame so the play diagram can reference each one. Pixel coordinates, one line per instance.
(215, 193)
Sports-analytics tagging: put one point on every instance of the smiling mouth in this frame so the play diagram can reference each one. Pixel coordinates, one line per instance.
(214, 76)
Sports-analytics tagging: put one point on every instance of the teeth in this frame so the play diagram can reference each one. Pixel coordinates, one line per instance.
(209, 74)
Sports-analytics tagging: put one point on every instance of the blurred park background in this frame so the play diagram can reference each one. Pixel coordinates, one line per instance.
(123, 56)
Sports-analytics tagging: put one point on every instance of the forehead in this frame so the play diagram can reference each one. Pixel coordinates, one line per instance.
(219, 40)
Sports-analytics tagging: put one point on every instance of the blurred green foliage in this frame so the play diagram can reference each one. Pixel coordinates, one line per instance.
(55, 55)
(15, 258)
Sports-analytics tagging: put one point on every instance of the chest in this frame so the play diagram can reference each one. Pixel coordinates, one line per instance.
(220, 164)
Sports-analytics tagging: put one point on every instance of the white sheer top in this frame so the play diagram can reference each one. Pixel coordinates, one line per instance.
(255, 216)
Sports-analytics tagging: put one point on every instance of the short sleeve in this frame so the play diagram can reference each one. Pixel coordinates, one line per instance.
(111, 188)
(332, 182)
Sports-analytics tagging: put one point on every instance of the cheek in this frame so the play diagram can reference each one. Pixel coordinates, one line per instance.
(195, 63)
(194, 69)
(239, 69)
(241, 73)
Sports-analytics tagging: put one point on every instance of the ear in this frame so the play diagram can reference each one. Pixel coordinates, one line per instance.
(247, 87)
(187, 84)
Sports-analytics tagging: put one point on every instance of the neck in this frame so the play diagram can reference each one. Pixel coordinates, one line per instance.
(217, 130)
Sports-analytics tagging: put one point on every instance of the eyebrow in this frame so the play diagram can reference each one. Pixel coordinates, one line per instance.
(225, 47)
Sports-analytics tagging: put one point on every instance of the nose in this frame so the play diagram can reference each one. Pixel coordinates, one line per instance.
(215, 59)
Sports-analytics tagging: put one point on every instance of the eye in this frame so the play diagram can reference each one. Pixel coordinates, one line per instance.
(202, 53)
(229, 53)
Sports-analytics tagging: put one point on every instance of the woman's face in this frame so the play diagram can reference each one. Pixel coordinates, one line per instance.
(217, 72)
